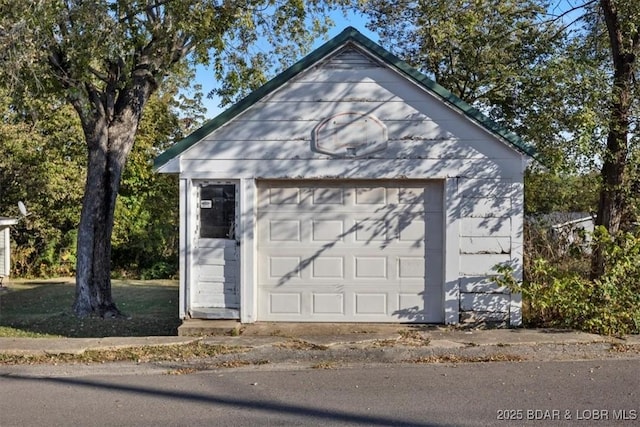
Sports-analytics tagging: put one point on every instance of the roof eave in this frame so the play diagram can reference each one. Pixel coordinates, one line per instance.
(6, 222)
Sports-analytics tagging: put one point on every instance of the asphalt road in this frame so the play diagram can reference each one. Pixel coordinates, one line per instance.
(573, 393)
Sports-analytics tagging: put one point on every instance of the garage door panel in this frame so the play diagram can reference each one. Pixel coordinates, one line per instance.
(411, 230)
(285, 303)
(290, 270)
(327, 230)
(284, 267)
(328, 196)
(371, 230)
(284, 230)
(370, 267)
(412, 308)
(328, 267)
(371, 196)
(411, 267)
(278, 229)
(370, 303)
(349, 252)
(279, 196)
(412, 196)
(328, 303)
(357, 306)
(289, 265)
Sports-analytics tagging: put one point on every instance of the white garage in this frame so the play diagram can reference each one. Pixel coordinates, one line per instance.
(350, 188)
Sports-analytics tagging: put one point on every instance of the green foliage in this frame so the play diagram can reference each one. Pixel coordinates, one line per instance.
(74, 47)
(506, 58)
(547, 192)
(42, 158)
(540, 69)
(557, 296)
(41, 163)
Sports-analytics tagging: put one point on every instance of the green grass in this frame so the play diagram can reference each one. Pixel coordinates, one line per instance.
(43, 309)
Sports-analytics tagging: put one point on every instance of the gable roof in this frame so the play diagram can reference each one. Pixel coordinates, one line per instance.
(348, 35)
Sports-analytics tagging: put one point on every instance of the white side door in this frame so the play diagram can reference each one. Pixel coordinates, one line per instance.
(216, 286)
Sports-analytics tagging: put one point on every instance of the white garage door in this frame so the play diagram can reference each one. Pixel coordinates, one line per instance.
(350, 251)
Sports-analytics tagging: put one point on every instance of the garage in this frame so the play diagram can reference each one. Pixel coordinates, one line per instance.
(350, 251)
(349, 188)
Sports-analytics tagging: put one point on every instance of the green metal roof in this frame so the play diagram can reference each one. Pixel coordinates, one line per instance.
(348, 35)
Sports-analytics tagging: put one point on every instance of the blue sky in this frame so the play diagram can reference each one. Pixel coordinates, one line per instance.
(205, 77)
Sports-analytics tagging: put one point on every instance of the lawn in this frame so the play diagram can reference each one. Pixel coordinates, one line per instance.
(43, 308)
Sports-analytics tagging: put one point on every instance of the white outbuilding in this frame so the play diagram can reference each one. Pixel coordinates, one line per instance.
(350, 188)
(5, 246)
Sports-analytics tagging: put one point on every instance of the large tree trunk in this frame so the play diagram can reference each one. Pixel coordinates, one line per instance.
(108, 148)
(93, 290)
(612, 195)
(612, 201)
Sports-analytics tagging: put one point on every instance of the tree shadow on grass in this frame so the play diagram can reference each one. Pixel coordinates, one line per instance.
(44, 308)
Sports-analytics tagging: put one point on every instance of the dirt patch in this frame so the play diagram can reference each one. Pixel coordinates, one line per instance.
(146, 354)
(454, 358)
(297, 344)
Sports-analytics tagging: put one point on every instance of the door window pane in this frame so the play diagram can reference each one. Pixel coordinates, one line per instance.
(217, 211)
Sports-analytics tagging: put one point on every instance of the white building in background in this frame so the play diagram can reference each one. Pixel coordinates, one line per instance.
(5, 246)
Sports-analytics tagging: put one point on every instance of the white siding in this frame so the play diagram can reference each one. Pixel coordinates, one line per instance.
(419, 124)
(490, 235)
(248, 271)
(427, 139)
(4, 252)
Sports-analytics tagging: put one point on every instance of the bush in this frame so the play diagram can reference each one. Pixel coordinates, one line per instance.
(555, 296)
(160, 270)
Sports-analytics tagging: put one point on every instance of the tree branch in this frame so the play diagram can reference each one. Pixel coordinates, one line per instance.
(98, 74)
(570, 10)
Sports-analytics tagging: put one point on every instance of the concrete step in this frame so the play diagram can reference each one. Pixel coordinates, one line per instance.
(206, 327)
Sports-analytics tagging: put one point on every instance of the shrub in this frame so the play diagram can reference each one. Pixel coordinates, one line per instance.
(160, 270)
(555, 296)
